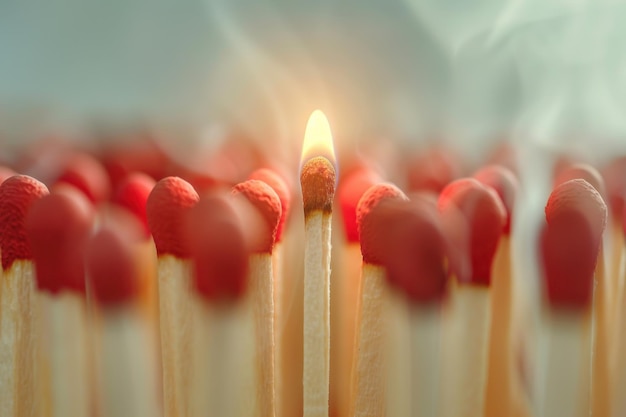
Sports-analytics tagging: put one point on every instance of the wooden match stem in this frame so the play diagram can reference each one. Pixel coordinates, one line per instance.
(425, 329)
(125, 370)
(348, 294)
(64, 353)
(560, 385)
(174, 276)
(465, 370)
(601, 380)
(399, 389)
(316, 363)
(368, 373)
(19, 357)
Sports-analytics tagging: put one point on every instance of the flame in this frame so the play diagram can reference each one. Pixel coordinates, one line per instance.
(318, 139)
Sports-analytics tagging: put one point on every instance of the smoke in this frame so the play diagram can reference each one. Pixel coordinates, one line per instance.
(545, 73)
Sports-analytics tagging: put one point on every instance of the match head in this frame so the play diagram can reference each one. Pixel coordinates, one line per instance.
(351, 189)
(485, 217)
(570, 242)
(88, 175)
(318, 185)
(111, 263)
(266, 201)
(218, 248)
(132, 194)
(17, 195)
(504, 182)
(371, 225)
(279, 185)
(58, 226)
(582, 171)
(416, 249)
(166, 208)
(433, 169)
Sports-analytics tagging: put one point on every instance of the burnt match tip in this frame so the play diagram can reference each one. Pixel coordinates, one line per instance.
(318, 185)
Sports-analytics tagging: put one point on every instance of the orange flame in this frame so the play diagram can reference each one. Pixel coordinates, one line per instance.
(318, 139)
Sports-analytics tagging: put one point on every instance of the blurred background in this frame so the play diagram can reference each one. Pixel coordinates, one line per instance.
(548, 73)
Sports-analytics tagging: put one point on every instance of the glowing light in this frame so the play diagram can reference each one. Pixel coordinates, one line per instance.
(318, 139)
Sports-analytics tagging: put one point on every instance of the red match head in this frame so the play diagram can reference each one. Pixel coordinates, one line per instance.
(132, 194)
(279, 185)
(485, 216)
(88, 175)
(166, 209)
(570, 242)
(351, 189)
(584, 172)
(504, 182)
(218, 247)
(415, 249)
(17, 195)
(371, 225)
(111, 261)
(433, 170)
(58, 225)
(266, 201)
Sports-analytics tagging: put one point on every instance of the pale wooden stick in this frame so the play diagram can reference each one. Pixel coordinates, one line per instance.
(465, 370)
(560, 388)
(19, 393)
(64, 352)
(399, 390)
(316, 364)
(368, 375)
(125, 370)
(348, 295)
(174, 288)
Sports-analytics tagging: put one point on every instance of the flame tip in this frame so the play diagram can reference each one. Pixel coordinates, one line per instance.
(318, 138)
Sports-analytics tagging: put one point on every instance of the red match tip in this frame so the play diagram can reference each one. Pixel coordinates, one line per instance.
(416, 249)
(370, 226)
(351, 189)
(615, 177)
(582, 171)
(266, 201)
(111, 265)
(132, 194)
(485, 216)
(88, 175)
(58, 226)
(17, 195)
(279, 185)
(433, 170)
(166, 209)
(570, 242)
(218, 248)
(504, 182)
